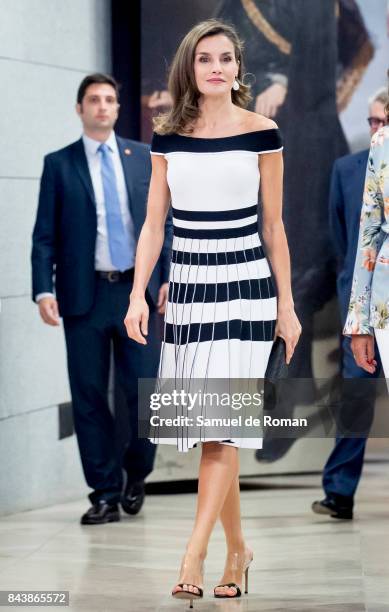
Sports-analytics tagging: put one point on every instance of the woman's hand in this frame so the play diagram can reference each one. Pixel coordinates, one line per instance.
(362, 346)
(289, 328)
(137, 319)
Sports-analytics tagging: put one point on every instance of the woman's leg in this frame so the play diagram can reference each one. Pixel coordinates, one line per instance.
(218, 468)
(230, 516)
(236, 549)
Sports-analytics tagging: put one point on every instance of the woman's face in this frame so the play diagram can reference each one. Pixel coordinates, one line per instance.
(215, 66)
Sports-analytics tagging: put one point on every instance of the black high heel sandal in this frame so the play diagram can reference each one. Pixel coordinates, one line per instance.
(184, 593)
(248, 558)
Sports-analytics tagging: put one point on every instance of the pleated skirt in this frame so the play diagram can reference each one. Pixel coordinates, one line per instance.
(219, 320)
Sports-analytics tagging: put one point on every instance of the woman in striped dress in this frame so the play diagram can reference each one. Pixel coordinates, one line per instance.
(209, 155)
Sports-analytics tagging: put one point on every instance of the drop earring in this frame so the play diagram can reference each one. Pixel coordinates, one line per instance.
(235, 85)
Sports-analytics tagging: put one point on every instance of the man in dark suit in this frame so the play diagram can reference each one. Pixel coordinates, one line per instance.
(344, 465)
(92, 205)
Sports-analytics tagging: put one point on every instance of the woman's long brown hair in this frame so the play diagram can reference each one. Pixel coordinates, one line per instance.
(182, 83)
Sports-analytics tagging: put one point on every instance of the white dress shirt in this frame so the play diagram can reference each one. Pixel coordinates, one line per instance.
(102, 255)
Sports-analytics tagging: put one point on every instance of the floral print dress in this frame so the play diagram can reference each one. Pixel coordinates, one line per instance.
(369, 301)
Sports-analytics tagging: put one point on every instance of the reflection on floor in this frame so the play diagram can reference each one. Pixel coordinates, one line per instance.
(302, 562)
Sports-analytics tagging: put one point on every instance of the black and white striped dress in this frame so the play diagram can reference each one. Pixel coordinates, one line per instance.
(221, 311)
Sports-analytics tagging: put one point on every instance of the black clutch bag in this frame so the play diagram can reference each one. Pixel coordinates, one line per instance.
(275, 375)
(277, 367)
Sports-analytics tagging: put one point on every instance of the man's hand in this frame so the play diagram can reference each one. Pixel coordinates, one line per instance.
(162, 298)
(270, 100)
(48, 309)
(362, 347)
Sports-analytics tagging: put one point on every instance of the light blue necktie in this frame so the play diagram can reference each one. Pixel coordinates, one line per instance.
(119, 247)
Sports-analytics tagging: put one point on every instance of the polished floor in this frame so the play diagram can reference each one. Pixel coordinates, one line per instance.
(302, 562)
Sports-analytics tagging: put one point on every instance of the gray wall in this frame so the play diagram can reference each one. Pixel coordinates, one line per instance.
(46, 48)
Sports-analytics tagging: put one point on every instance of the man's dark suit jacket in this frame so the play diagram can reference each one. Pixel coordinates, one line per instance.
(64, 235)
(346, 195)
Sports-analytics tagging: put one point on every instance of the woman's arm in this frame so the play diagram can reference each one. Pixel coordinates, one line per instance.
(148, 249)
(271, 172)
(369, 243)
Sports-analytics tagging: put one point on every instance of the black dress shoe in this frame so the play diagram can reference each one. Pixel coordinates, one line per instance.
(133, 497)
(336, 507)
(101, 512)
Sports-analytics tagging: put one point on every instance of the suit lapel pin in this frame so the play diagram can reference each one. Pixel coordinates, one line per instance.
(127, 151)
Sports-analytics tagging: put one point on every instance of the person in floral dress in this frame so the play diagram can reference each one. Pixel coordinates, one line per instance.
(368, 311)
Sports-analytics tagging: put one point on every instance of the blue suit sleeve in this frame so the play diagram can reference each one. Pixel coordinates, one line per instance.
(43, 237)
(337, 215)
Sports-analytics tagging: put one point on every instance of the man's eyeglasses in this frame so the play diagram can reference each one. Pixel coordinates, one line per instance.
(376, 122)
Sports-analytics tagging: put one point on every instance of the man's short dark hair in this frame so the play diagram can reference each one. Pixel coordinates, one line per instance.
(98, 77)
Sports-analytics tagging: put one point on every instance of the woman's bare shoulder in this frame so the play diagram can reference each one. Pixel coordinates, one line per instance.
(255, 121)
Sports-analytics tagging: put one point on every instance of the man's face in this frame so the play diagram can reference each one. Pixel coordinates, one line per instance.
(377, 117)
(99, 107)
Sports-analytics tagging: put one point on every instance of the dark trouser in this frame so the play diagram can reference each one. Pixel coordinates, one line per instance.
(344, 466)
(89, 339)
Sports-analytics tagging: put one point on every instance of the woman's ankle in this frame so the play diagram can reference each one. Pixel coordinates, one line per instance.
(236, 546)
(199, 552)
